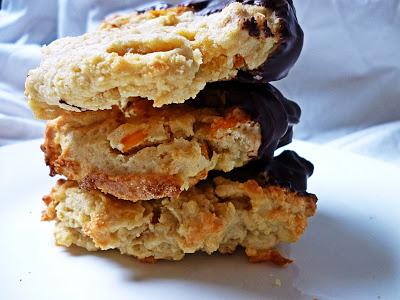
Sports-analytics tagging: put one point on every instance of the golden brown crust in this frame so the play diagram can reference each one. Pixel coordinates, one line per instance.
(257, 256)
(148, 260)
(50, 149)
(212, 216)
(142, 186)
(50, 212)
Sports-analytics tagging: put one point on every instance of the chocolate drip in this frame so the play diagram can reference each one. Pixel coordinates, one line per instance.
(282, 59)
(288, 170)
(265, 105)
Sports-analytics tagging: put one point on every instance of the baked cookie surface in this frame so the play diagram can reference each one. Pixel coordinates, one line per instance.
(213, 216)
(146, 153)
(163, 55)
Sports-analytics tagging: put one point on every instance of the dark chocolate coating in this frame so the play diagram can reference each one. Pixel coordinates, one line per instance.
(288, 170)
(265, 105)
(282, 59)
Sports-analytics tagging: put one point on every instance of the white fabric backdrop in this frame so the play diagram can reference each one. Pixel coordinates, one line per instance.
(347, 80)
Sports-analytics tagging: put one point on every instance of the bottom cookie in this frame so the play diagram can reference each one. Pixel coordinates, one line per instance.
(217, 215)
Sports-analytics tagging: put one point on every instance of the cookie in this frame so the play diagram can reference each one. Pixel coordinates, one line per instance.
(146, 153)
(217, 215)
(167, 55)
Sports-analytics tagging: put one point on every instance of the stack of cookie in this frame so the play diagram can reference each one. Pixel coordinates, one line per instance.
(165, 126)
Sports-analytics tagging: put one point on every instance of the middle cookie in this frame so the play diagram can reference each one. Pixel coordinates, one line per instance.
(145, 153)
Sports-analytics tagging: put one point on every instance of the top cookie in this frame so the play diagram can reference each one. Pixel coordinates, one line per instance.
(166, 55)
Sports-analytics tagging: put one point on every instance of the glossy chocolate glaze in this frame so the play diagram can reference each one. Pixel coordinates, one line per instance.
(265, 105)
(290, 45)
(288, 170)
(281, 60)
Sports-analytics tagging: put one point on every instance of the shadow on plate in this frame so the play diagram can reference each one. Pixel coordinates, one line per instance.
(339, 253)
(332, 255)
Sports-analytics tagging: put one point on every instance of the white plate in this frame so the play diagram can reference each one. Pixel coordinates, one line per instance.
(350, 251)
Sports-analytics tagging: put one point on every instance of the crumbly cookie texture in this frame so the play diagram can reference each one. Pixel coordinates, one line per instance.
(167, 56)
(148, 153)
(210, 217)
